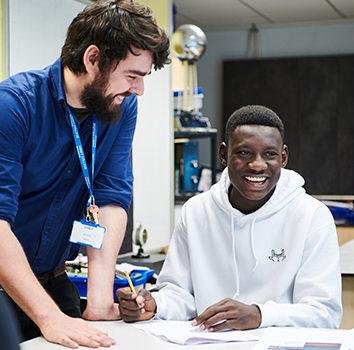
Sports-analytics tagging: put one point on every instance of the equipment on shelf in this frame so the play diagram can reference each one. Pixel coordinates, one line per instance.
(186, 167)
(188, 45)
(140, 239)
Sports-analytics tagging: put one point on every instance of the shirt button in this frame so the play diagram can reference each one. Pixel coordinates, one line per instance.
(57, 200)
(68, 171)
(47, 232)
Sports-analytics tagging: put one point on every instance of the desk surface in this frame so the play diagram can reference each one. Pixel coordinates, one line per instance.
(129, 337)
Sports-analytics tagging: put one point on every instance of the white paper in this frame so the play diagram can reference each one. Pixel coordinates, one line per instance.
(182, 332)
(299, 338)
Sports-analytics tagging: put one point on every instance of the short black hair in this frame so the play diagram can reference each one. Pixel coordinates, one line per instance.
(253, 115)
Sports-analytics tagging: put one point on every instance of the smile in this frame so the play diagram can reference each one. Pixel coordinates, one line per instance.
(256, 180)
(120, 98)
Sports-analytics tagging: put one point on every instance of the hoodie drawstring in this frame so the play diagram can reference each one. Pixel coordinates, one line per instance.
(234, 256)
(252, 244)
(234, 252)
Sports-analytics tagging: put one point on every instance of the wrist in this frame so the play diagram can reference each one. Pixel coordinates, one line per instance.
(257, 315)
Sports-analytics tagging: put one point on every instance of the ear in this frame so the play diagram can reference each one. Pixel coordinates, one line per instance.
(90, 59)
(284, 156)
(223, 153)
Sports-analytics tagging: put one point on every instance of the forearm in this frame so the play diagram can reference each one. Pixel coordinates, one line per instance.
(102, 261)
(18, 280)
(300, 315)
(175, 299)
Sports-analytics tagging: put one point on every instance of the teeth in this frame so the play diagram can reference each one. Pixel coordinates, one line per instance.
(121, 97)
(255, 179)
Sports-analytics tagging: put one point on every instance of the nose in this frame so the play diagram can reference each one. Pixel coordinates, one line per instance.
(258, 163)
(138, 87)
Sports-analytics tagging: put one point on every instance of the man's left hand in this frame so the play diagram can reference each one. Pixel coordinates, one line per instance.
(229, 314)
(101, 313)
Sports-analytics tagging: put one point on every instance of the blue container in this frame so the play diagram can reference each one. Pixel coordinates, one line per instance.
(351, 218)
(340, 213)
(138, 277)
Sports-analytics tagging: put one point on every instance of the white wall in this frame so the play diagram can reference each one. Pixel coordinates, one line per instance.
(37, 30)
(312, 40)
(153, 161)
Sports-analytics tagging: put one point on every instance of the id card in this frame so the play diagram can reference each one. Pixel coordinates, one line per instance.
(87, 233)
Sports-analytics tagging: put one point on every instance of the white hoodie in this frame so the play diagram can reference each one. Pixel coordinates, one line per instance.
(284, 257)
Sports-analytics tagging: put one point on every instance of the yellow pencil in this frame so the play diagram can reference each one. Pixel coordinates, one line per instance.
(131, 285)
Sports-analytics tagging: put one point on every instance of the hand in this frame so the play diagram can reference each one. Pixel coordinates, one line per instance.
(101, 313)
(130, 311)
(231, 314)
(72, 332)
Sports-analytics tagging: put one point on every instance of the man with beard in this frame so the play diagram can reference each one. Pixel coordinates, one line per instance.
(66, 135)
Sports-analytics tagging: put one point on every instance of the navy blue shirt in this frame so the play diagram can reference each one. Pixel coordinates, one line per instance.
(42, 188)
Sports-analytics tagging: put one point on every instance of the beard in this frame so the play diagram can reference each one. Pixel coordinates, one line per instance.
(100, 105)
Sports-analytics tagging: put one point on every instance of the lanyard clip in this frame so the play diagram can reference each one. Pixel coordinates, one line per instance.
(92, 210)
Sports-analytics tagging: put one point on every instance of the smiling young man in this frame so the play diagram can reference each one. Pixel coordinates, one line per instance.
(255, 250)
(66, 136)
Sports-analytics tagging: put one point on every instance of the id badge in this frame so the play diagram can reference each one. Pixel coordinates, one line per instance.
(87, 233)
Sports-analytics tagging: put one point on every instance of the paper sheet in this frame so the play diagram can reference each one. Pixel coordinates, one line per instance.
(181, 332)
(286, 338)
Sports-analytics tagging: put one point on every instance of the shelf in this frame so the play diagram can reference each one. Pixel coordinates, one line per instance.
(196, 133)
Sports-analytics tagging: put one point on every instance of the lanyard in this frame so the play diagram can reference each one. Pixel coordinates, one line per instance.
(81, 154)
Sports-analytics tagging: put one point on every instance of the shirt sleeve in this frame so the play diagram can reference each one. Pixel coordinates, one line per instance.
(175, 299)
(12, 138)
(317, 286)
(114, 182)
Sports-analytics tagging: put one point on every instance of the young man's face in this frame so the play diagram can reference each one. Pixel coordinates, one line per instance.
(254, 156)
(105, 95)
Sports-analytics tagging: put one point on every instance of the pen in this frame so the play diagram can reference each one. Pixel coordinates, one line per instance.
(131, 285)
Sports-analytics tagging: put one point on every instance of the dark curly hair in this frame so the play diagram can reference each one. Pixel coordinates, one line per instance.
(114, 26)
(253, 115)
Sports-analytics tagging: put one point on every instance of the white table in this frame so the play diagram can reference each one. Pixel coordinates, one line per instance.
(131, 338)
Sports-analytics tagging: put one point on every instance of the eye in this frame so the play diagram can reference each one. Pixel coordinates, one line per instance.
(244, 153)
(271, 154)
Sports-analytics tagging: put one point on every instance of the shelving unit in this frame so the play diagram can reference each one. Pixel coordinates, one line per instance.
(199, 133)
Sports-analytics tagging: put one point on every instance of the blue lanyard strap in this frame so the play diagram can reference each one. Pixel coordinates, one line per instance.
(81, 154)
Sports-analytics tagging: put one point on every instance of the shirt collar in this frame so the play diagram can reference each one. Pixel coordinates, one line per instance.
(56, 74)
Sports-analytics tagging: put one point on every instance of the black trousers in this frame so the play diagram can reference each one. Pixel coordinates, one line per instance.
(9, 334)
(62, 291)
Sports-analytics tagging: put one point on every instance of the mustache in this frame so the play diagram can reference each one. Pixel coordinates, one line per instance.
(125, 94)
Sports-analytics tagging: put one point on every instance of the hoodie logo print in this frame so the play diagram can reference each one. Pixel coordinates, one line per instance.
(277, 257)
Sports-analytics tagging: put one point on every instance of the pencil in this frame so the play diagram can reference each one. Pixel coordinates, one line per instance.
(131, 285)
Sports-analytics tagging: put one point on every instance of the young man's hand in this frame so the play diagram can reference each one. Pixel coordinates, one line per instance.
(128, 305)
(229, 314)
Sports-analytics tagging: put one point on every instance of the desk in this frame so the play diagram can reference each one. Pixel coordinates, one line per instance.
(131, 338)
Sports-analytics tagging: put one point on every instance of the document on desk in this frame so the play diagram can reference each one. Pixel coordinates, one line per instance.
(290, 338)
(182, 332)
